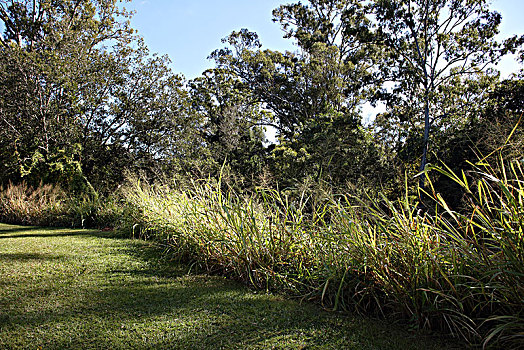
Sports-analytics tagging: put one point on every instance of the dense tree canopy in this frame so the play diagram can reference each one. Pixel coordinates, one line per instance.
(83, 95)
(84, 100)
(50, 50)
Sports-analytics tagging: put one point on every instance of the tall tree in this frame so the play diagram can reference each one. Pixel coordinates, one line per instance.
(132, 114)
(47, 52)
(230, 121)
(314, 95)
(429, 46)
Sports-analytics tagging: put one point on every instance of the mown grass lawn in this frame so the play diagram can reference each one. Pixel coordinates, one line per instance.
(84, 289)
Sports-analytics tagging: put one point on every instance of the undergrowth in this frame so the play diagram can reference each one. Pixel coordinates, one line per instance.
(50, 205)
(435, 268)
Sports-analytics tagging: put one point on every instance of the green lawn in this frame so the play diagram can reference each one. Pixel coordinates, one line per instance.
(83, 289)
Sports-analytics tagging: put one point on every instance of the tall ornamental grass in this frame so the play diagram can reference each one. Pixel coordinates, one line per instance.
(50, 205)
(31, 206)
(435, 268)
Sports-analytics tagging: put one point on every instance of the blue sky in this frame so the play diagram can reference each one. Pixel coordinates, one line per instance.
(189, 30)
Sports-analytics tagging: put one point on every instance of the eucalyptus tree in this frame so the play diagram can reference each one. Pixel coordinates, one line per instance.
(430, 46)
(228, 126)
(331, 70)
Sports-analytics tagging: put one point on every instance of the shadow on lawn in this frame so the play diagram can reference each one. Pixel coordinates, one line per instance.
(5, 228)
(153, 303)
(64, 234)
(28, 256)
(202, 313)
(16, 231)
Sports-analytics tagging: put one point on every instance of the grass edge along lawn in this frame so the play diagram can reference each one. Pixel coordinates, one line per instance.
(65, 288)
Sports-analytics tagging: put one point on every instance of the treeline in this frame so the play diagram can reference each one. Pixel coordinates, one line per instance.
(417, 212)
(83, 101)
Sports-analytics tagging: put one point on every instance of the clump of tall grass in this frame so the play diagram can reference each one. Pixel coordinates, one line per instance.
(438, 268)
(35, 206)
(50, 205)
(238, 235)
(490, 239)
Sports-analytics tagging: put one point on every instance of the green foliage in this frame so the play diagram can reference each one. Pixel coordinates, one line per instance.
(83, 99)
(228, 130)
(430, 48)
(497, 115)
(312, 98)
(460, 272)
(48, 50)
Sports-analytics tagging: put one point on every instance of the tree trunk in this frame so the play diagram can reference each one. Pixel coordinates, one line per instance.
(422, 179)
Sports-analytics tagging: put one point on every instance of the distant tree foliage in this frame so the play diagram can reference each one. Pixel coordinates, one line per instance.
(82, 94)
(83, 101)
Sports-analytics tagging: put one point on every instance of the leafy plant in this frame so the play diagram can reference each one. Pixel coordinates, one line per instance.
(438, 269)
